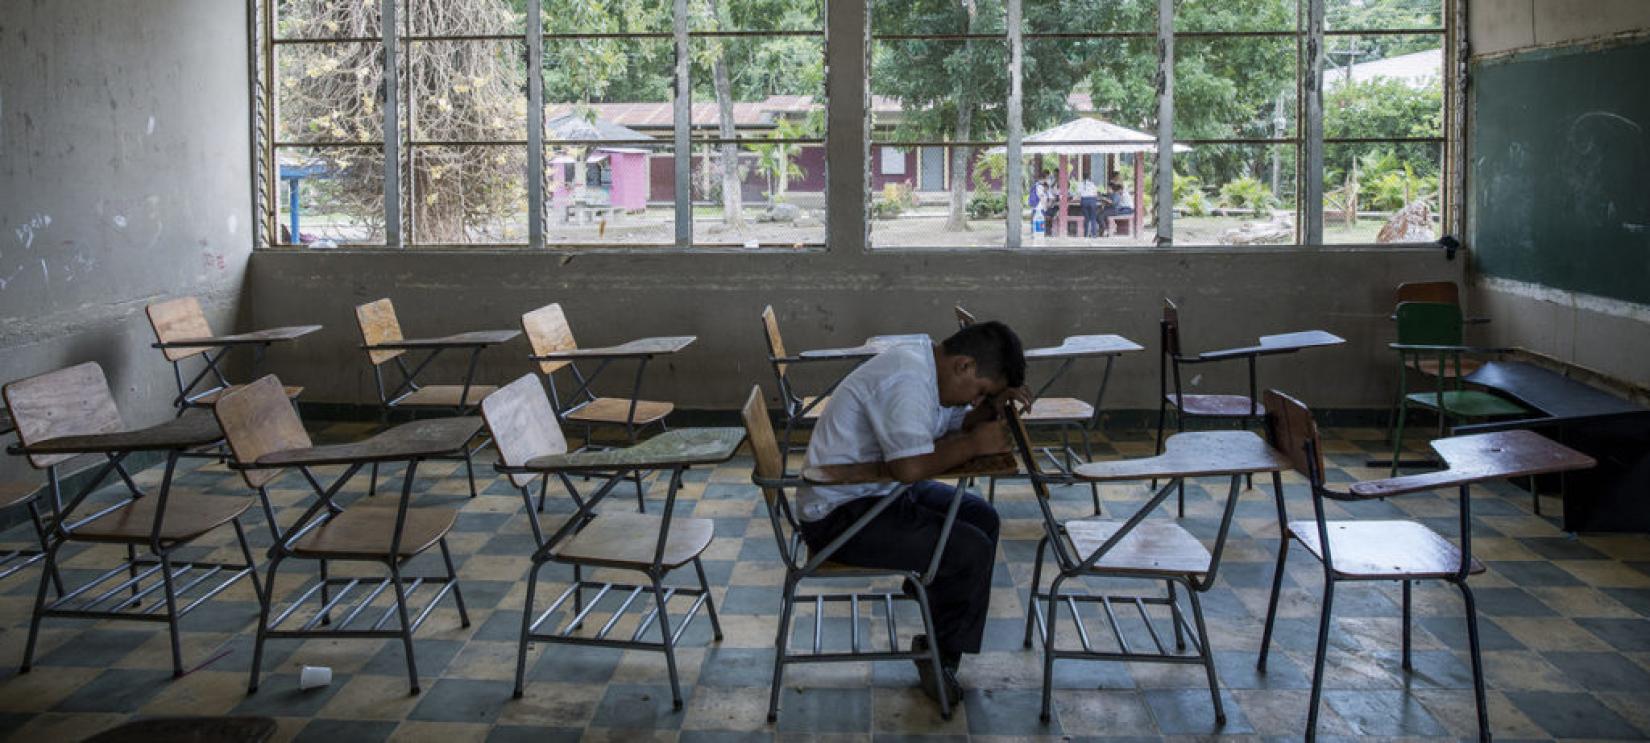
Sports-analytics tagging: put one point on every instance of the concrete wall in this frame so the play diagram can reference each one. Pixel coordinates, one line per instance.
(124, 178)
(1605, 335)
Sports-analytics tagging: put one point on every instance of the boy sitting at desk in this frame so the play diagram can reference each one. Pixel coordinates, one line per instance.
(923, 408)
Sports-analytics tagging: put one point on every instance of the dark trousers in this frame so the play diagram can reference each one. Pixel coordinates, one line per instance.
(1091, 216)
(903, 536)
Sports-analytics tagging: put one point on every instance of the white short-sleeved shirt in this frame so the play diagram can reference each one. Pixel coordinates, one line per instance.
(888, 408)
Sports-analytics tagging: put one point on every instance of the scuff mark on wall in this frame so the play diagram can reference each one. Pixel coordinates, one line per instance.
(27, 230)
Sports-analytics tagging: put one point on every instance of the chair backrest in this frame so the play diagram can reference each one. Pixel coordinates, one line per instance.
(1028, 453)
(1170, 327)
(176, 320)
(523, 425)
(776, 344)
(257, 419)
(964, 317)
(1290, 429)
(548, 332)
(378, 325)
(68, 402)
(1442, 292)
(764, 446)
(1429, 323)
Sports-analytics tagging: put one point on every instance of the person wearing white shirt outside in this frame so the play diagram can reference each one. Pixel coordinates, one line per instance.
(1120, 204)
(923, 408)
(1089, 196)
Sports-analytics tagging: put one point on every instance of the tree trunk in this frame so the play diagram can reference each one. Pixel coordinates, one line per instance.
(732, 198)
(956, 219)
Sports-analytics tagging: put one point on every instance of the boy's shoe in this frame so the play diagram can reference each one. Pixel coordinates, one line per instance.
(925, 672)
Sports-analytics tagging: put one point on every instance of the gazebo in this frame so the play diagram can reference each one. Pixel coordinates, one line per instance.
(1086, 136)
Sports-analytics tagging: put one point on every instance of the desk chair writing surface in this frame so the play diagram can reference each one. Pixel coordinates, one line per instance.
(523, 420)
(1362, 550)
(1140, 548)
(266, 437)
(182, 332)
(67, 413)
(384, 343)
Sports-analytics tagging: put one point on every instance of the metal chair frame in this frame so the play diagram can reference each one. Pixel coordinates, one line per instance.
(388, 400)
(1170, 359)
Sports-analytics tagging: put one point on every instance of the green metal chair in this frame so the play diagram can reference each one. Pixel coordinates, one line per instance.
(1432, 331)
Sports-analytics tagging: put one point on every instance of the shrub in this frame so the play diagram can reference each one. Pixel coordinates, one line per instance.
(896, 198)
(1248, 193)
(987, 205)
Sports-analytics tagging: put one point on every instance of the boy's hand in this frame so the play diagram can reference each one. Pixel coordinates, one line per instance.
(990, 438)
(1020, 396)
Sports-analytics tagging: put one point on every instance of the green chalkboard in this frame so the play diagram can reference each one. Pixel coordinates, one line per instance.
(1559, 169)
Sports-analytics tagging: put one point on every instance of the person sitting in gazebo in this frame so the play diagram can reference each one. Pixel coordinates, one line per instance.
(1118, 204)
(1089, 195)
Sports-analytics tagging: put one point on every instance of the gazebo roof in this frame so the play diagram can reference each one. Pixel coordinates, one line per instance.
(573, 127)
(1086, 136)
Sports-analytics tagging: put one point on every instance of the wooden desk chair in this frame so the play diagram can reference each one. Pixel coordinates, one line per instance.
(803, 565)
(1404, 551)
(182, 319)
(1138, 548)
(530, 442)
(379, 327)
(1241, 408)
(64, 414)
(800, 410)
(267, 438)
(1433, 331)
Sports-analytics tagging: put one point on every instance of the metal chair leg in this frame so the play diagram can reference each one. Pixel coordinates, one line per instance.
(1036, 580)
(452, 580)
(933, 649)
(470, 469)
(1272, 603)
(1317, 663)
(1398, 438)
(1407, 666)
(39, 608)
(263, 624)
(780, 643)
(171, 614)
(40, 535)
(1477, 663)
(1174, 616)
(406, 626)
(669, 642)
(372, 481)
(1208, 654)
(710, 604)
(1050, 619)
(251, 566)
(526, 627)
(641, 495)
(325, 591)
(1162, 417)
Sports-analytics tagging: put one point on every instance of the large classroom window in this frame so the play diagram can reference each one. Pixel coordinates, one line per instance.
(557, 123)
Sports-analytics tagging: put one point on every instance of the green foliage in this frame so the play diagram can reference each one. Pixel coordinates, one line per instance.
(1195, 203)
(1248, 193)
(1185, 185)
(986, 205)
(895, 199)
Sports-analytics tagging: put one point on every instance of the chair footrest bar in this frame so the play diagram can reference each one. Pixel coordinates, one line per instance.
(9, 562)
(135, 591)
(1114, 623)
(856, 639)
(631, 594)
(343, 588)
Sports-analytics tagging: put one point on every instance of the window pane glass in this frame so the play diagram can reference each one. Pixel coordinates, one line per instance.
(937, 17)
(609, 194)
(1384, 86)
(757, 15)
(904, 215)
(607, 16)
(610, 83)
(781, 197)
(1235, 195)
(327, 19)
(938, 90)
(1088, 16)
(329, 193)
(1384, 192)
(1078, 201)
(1238, 15)
(469, 194)
(447, 18)
(329, 92)
(1365, 15)
(775, 86)
(1235, 88)
(468, 90)
(1107, 79)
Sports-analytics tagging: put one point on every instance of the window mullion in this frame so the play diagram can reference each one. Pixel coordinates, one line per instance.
(392, 126)
(1311, 189)
(1164, 198)
(535, 125)
(682, 113)
(1016, 124)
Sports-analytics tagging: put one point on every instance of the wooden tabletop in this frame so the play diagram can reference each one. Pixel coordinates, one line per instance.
(196, 427)
(1281, 343)
(1483, 456)
(872, 346)
(257, 337)
(1078, 346)
(990, 465)
(416, 440)
(678, 447)
(636, 348)
(1196, 454)
(474, 338)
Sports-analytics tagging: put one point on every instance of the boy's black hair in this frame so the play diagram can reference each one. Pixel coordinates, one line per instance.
(1116, 185)
(995, 349)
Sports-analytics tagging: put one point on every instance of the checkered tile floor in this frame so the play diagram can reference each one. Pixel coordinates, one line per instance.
(1564, 624)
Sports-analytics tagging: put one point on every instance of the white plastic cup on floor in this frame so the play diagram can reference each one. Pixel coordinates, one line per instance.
(312, 677)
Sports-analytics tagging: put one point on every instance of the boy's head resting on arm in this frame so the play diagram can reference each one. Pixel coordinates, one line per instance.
(977, 362)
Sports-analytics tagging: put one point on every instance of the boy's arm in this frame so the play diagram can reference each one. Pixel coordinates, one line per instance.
(951, 452)
(991, 409)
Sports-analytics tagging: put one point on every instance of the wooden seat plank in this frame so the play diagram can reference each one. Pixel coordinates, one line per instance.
(421, 439)
(681, 447)
(629, 540)
(188, 515)
(364, 533)
(616, 410)
(1383, 549)
(1078, 346)
(193, 428)
(817, 409)
(1059, 410)
(446, 396)
(638, 347)
(990, 465)
(1194, 454)
(1483, 456)
(1213, 406)
(256, 337)
(1151, 548)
